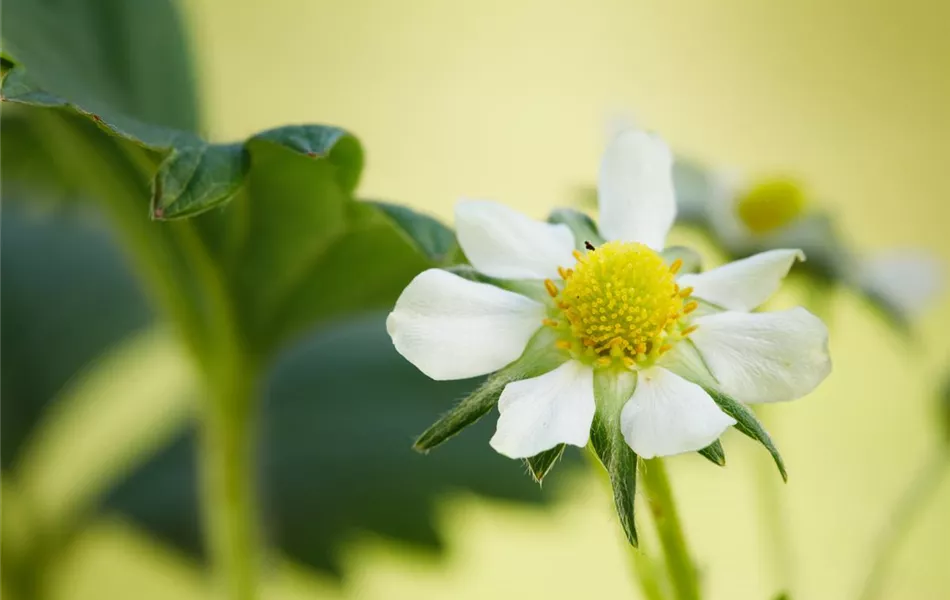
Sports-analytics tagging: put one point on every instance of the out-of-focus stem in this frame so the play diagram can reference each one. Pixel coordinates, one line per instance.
(679, 564)
(645, 570)
(228, 489)
(910, 505)
(648, 574)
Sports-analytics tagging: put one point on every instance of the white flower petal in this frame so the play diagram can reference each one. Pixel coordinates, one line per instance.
(538, 414)
(764, 357)
(504, 243)
(669, 415)
(453, 328)
(744, 284)
(635, 189)
(908, 280)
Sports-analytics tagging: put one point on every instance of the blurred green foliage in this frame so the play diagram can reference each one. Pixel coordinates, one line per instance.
(283, 271)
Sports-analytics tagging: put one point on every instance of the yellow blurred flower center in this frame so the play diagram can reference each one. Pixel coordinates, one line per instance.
(770, 205)
(620, 303)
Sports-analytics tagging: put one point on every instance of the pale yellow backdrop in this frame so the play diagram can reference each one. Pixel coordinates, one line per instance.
(509, 100)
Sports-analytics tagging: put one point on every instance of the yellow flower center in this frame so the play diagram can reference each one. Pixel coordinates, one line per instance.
(770, 204)
(620, 303)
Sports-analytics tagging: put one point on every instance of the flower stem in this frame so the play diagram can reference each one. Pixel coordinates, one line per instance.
(648, 574)
(663, 508)
(910, 505)
(229, 502)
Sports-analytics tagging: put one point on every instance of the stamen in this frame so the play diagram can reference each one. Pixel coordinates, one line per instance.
(690, 307)
(580, 257)
(685, 292)
(564, 273)
(550, 287)
(689, 330)
(676, 266)
(562, 344)
(604, 361)
(551, 323)
(665, 348)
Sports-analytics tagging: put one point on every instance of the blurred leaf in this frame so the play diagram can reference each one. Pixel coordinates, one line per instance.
(434, 239)
(335, 459)
(714, 453)
(189, 175)
(292, 248)
(749, 425)
(541, 464)
(67, 296)
(107, 55)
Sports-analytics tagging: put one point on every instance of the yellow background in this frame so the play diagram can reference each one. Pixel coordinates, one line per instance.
(509, 100)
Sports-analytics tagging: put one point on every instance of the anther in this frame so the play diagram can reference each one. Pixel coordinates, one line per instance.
(550, 287)
(689, 330)
(562, 344)
(665, 348)
(564, 273)
(580, 257)
(685, 292)
(604, 361)
(690, 307)
(550, 323)
(676, 266)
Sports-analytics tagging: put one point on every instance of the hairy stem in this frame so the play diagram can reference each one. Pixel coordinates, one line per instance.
(679, 564)
(911, 504)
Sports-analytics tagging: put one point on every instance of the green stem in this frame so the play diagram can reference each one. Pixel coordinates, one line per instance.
(663, 508)
(910, 505)
(775, 525)
(228, 489)
(648, 574)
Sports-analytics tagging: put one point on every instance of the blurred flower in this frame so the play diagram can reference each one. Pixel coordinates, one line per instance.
(746, 216)
(635, 343)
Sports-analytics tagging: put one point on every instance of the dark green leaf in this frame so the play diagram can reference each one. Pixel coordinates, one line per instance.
(714, 453)
(540, 464)
(334, 458)
(612, 450)
(749, 425)
(67, 296)
(189, 175)
(433, 239)
(107, 55)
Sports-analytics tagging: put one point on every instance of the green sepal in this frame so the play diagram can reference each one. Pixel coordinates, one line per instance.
(539, 357)
(714, 453)
(581, 225)
(540, 464)
(749, 425)
(692, 261)
(611, 389)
